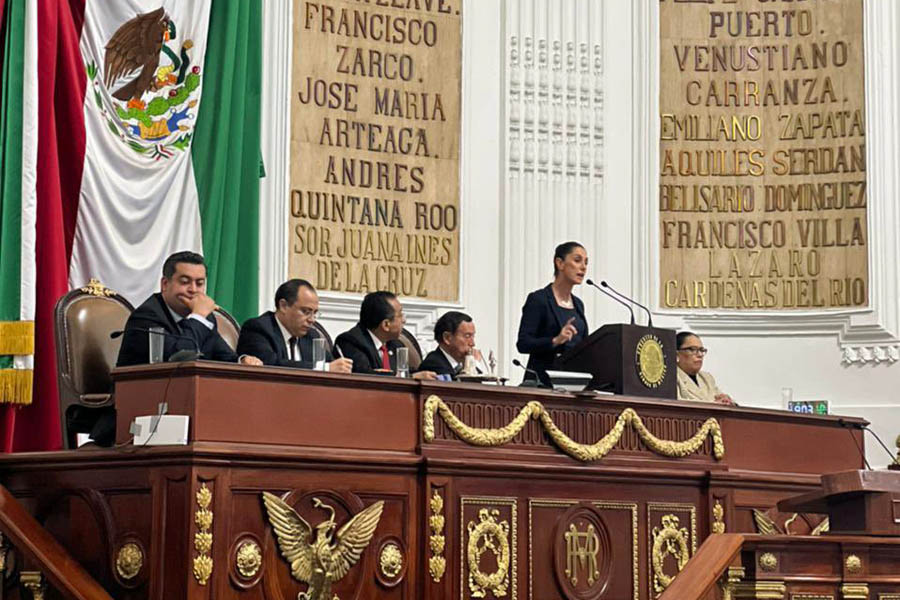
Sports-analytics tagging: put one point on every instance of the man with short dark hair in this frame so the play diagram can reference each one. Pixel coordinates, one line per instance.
(455, 335)
(372, 343)
(284, 338)
(184, 311)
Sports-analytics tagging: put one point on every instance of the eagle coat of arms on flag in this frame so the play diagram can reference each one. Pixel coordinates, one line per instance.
(149, 87)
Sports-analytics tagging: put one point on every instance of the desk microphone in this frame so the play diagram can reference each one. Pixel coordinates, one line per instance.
(536, 382)
(632, 300)
(590, 282)
(849, 426)
(181, 355)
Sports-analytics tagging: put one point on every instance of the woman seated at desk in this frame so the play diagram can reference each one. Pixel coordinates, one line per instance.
(694, 384)
(553, 318)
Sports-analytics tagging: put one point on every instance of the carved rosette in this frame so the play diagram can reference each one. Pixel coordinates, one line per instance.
(129, 561)
(853, 564)
(391, 560)
(248, 559)
(437, 564)
(768, 562)
(203, 538)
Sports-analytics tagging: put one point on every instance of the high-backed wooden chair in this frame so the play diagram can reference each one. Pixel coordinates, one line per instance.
(415, 352)
(85, 353)
(227, 326)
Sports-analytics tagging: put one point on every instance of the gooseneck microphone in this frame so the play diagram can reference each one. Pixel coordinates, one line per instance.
(590, 282)
(632, 300)
(179, 356)
(536, 382)
(849, 426)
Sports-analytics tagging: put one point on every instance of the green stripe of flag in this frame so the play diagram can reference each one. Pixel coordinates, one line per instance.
(11, 89)
(226, 154)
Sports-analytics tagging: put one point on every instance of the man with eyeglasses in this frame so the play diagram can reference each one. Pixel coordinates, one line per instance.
(284, 338)
(374, 341)
(693, 383)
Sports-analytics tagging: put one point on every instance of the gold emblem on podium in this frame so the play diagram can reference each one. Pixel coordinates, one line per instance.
(650, 361)
(320, 561)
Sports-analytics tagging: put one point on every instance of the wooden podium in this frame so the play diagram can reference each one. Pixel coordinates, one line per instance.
(864, 502)
(486, 491)
(627, 359)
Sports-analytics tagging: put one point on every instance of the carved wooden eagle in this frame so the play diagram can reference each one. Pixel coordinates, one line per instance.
(320, 561)
(136, 45)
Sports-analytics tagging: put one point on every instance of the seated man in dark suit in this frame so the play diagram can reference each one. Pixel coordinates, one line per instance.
(372, 343)
(184, 311)
(455, 335)
(284, 338)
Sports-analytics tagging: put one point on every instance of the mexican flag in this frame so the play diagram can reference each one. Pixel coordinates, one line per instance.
(141, 119)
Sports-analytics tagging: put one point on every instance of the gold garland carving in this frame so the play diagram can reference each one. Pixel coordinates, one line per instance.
(582, 452)
(437, 564)
(203, 539)
(488, 535)
(668, 540)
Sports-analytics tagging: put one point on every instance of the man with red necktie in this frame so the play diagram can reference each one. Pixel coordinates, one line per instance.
(373, 342)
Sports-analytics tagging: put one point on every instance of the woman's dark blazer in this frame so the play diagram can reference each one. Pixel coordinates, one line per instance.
(542, 320)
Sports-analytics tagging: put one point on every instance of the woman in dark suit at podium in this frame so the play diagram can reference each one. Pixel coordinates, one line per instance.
(553, 318)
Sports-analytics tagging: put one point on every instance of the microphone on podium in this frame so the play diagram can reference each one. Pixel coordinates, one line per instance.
(536, 382)
(632, 300)
(590, 282)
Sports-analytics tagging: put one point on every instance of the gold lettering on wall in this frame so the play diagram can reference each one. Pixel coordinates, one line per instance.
(762, 195)
(375, 137)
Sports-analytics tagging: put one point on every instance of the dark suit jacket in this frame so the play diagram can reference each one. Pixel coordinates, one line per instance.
(135, 351)
(542, 319)
(261, 337)
(437, 362)
(357, 345)
(154, 313)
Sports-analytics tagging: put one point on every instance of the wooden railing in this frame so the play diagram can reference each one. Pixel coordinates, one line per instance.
(731, 566)
(65, 574)
(705, 569)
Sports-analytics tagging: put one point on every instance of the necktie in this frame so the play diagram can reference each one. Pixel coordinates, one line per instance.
(293, 343)
(385, 359)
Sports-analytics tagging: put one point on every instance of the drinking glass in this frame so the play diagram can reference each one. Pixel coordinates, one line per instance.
(402, 362)
(318, 354)
(156, 338)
